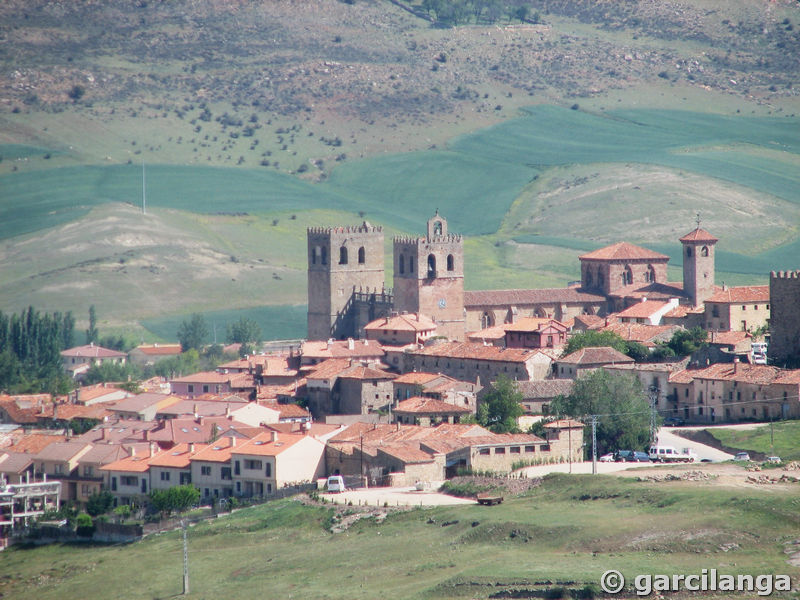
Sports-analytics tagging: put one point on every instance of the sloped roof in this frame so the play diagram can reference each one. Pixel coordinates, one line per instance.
(533, 324)
(411, 322)
(35, 442)
(92, 351)
(745, 293)
(624, 251)
(642, 310)
(477, 298)
(596, 355)
(699, 235)
(63, 451)
(342, 349)
(416, 378)
(159, 349)
(420, 405)
(471, 350)
(263, 445)
(544, 389)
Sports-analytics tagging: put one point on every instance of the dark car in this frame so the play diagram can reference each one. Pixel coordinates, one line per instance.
(623, 456)
(674, 422)
(639, 457)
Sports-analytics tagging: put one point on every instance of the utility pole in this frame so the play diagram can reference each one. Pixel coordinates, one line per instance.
(569, 436)
(594, 444)
(144, 192)
(185, 560)
(654, 393)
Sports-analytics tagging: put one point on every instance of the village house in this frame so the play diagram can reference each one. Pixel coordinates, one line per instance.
(466, 361)
(60, 461)
(142, 407)
(89, 395)
(16, 467)
(213, 382)
(344, 387)
(76, 361)
(437, 386)
(267, 369)
(648, 312)
(401, 329)
(315, 352)
(128, 479)
(744, 308)
(537, 395)
(271, 461)
(171, 467)
(535, 332)
(150, 354)
(211, 468)
(588, 359)
(427, 412)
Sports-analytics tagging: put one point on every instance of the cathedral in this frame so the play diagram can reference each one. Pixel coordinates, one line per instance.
(347, 289)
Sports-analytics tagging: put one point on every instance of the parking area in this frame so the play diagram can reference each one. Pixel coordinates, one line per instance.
(397, 496)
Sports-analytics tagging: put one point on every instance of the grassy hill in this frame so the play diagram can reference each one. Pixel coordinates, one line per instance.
(564, 534)
(256, 120)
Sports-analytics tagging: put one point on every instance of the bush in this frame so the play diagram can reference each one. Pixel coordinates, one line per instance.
(85, 525)
(98, 504)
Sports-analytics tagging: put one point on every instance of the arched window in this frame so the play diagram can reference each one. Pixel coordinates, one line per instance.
(486, 320)
(437, 228)
(704, 251)
(314, 255)
(410, 264)
(650, 274)
(324, 255)
(431, 266)
(688, 251)
(627, 278)
(401, 264)
(342, 255)
(450, 263)
(362, 255)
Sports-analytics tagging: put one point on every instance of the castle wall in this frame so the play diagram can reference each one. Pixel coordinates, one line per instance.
(784, 293)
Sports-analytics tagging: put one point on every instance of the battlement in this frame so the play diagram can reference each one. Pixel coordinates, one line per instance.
(363, 228)
(784, 275)
(449, 238)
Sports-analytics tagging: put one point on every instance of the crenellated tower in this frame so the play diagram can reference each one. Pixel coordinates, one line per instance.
(429, 277)
(341, 262)
(784, 321)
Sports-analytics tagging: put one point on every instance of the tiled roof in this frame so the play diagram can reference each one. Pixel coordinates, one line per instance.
(413, 322)
(545, 389)
(159, 349)
(416, 378)
(365, 372)
(142, 402)
(35, 442)
(589, 321)
(624, 251)
(14, 462)
(329, 369)
(567, 295)
(92, 351)
(205, 408)
(533, 324)
(90, 392)
(727, 338)
(420, 405)
(746, 293)
(218, 451)
(407, 452)
(564, 423)
(190, 429)
(789, 377)
(698, 235)
(343, 349)
(596, 355)
(474, 351)
(119, 431)
(235, 380)
(682, 376)
(178, 456)
(140, 463)
(496, 332)
(262, 444)
(27, 409)
(641, 332)
(292, 411)
(758, 374)
(63, 451)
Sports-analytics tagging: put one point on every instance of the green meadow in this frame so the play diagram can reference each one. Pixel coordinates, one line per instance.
(530, 193)
(555, 541)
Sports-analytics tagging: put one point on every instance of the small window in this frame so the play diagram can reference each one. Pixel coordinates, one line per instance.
(324, 256)
(688, 251)
(704, 251)
(451, 266)
(342, 255)
(499, 450)
(205, 471)
(362, 255)
(164, 475)
(529, 449)
(483, 451)
(515, 450)
(401, 264)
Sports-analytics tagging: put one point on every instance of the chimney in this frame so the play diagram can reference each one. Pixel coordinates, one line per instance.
(200, 420)
(735, 365)
(194, 410)
(351, 345)
(228, 410)
(152, 449)
(146, 435)
(232, 441)
(273, 436)
(103, 433)
(133, 451)
(191, 448)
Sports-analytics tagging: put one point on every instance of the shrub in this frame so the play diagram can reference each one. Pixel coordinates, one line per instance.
(85, 525)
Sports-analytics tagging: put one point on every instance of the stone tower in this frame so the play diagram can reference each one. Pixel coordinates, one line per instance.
(429, 277)
(698, 264)
(341, 261)
(784, 321)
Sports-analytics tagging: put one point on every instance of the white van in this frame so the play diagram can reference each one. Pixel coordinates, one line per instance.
(670, 454)
(336, 484)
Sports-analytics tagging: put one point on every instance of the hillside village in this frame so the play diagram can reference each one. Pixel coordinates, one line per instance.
(385, 390)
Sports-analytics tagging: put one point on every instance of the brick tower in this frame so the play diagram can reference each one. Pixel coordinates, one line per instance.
(341, 261)
(698, 264)
(429, 277)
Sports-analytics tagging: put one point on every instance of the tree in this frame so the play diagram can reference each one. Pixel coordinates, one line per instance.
(620, 402)
(595, 338)
(685, 342)
(175, 499)
(244, 331)
(99, 503)
(521, 13)
(192, 333)
(92, 334)
(501, 407)
(77, 92)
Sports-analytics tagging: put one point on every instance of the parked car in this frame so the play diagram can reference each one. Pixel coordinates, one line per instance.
(742, 456)
(336, 484)
(623, 456)
(674, 422)
(639, 457)
(670, 454)
(775, 460)
(607, 457)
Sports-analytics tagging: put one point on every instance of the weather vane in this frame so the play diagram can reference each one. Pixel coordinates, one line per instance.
(698, 220)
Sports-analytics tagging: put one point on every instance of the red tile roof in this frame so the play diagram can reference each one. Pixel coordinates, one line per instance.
(641, 332)
(262, 444)
(642, 310)
(748, 293)
(698, 235)
(35, 442)
(470, 350)
(596, 355)
(727, 338)
(159, 349)
(416, 378)
(533, 324)
(564, 424)
(428, 406)
(92, 351)
(178, 456)
(624, 251)
(413, 322)
(745, 373)
(568, 295)
(218, 451)
(343, 349)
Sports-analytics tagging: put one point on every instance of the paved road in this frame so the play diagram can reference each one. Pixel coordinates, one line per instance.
(398, 496)
(667, 437)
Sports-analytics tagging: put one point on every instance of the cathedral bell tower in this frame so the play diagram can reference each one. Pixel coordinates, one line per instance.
(698, 264)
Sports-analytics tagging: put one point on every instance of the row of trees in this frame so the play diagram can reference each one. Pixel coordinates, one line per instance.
(457, 12)
(683, 343)
(193, 334)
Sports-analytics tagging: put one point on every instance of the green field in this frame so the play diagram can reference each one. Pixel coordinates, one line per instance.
(781, 439)
(565, 533)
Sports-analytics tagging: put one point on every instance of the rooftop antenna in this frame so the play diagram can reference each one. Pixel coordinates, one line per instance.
(144, 191)
(697, 220)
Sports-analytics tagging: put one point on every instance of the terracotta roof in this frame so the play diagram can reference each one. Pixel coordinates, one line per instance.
(119, 431)
(567, 295)
(214, 377)
(204, 408)
(679, 311)
(68, 412)
(142, 402)
(596, 355)
(63, 451)
(329, 369)
(505, 439)
(474, 351)
(789, 377)
(727, 338)
(698, 235)
(407, 452)
(747, 293)
(533, 324)
(14, 462)
(272, 365)
(589, 321)
(420, 405)
(746, 373)
(218, 451)
(201, 430)
(26, 409)
(624, 251)
(178, 456)
(140, 463)
(412, 322)
(545, 389)
(641, 332)
(262, 444)
(365, 372)
(92, 351)
(292, 411)
(103, 454)
(416, 378)
(36, 442)
(682, 376)
(90, 392)
(159, 349)
(496, 332)
(342, 349)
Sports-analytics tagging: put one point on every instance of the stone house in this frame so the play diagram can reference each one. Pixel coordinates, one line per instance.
(401, 329)
(427, 412)
(534, 332)
(587, 359)
(743, 308)
(80, 359)
(345, 387)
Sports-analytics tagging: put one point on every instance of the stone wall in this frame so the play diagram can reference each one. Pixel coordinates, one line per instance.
(784, 293)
